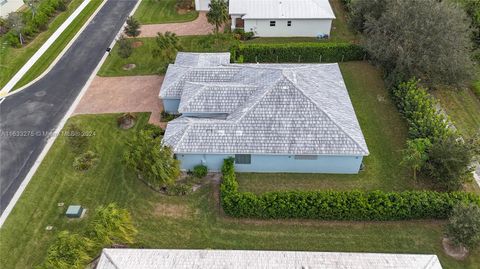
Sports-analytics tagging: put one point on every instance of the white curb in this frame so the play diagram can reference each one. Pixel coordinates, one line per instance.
(16, 78)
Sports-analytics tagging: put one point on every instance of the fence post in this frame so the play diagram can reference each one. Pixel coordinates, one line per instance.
(256, 59)
(277, 59)
(320, 58)
(299, 57)
(343, 56)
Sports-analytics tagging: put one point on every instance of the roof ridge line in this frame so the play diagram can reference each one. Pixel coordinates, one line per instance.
(324, 112)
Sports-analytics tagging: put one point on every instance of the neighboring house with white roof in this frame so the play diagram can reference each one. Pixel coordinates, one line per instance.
(233, 259)
(279, 18)
(269, 117)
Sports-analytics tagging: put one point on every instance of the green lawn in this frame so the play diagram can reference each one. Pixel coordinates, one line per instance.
(385, 133)
(463, 107)
(12, 59)
(162, 11)
(180, 222)
(148, 65)
(339, 33)
(57, 47)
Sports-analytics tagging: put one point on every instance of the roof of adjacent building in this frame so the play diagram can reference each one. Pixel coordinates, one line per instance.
(202, 59)
(282, 9)
(281, 109)
(212, 259)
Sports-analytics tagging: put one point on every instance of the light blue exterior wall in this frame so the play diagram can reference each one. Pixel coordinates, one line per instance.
(171, 105)
(277, 163)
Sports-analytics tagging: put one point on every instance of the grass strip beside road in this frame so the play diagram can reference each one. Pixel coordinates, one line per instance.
(12, 59)
(59, 45)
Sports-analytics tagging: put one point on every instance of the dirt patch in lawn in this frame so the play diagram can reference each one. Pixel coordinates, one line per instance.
(129, 66)
(456, 252)
(137, 44)
(176, 211)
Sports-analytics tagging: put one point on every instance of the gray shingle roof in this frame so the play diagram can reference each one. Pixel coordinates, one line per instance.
(232, 259)
(301, 109)
(202, 59)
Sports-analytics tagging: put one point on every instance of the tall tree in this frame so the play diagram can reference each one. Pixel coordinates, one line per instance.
(415, 155)
(132, 28)
(218, 13)
(16, 24)
(464, 226)
(152, 160)
(167, 45)
(426, 39)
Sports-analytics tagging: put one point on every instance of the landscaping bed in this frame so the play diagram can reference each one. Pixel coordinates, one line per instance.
(193, 221)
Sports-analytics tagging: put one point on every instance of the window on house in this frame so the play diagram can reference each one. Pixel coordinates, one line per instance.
(272, 23)
(243, 158)
(306, 157)
(289, 23)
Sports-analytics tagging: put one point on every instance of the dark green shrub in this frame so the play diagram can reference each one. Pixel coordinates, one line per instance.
(419, 108)
(166, 117)
(240, 34)
(85, 161)
(125, 47)
(298, 52)
(337, 205)
(155, 130)
(200, 171)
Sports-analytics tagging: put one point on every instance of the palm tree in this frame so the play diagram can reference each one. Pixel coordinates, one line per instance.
(218, 13)
(32, 5)
(416, 154)
(168, 44)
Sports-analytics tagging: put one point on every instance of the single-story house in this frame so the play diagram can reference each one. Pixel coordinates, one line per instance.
(236, 259)
(279, 18)
(202, 5)
(269, 117)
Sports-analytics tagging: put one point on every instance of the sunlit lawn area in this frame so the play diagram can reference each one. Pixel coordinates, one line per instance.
(146, 64)
(180, 222)
(162, 11)
(463, 107)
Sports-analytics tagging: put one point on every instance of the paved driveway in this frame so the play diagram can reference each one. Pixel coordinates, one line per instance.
(123, 94)
(27, 116)
(200, 26)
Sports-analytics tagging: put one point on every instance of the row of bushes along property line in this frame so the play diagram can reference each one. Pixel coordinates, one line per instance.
(420, 111)
(337, 205)
(35, 21)
(297, 52)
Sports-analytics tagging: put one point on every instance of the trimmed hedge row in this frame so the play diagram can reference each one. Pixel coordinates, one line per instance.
(337, 205)
(297, 52)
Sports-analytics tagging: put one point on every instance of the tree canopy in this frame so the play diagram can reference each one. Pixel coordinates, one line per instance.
(464, 226)
(218, 13)
(426, 39)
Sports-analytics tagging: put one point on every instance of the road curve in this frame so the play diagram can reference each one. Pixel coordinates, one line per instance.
(26, 117)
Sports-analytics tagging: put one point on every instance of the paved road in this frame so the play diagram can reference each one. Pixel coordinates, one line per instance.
(40, 107)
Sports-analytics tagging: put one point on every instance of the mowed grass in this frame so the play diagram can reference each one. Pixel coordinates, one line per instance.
(59, 45)
(146, 64)
(12, 59)
(162, 11)
(194, 221)
(340, 31)
(385, 133)
(463, 108)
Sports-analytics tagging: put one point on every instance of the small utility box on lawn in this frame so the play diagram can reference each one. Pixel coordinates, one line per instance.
(74, 211)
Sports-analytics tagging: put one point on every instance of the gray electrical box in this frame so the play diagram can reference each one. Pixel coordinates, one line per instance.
(74, 211)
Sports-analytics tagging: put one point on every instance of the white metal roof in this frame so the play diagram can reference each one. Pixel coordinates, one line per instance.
(233, 259)
(282, 9)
